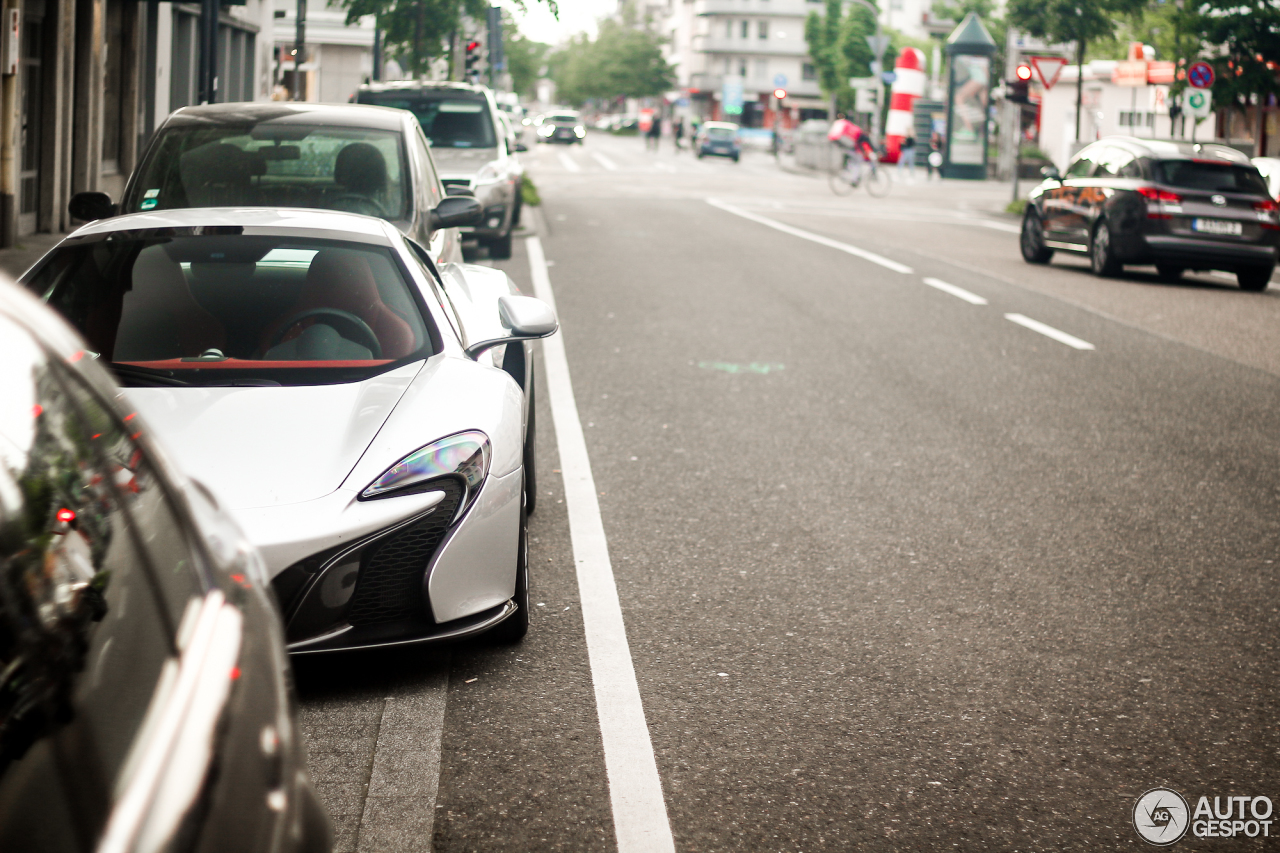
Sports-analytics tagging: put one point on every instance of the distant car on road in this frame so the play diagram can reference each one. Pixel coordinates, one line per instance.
(330, 156)
(464, 126)
(366, 416)
(1178, 205)
(144, 690)
(718, 139)
(564, 126)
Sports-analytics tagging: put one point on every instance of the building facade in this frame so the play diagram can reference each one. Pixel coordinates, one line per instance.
(86, 82)
(338, 57)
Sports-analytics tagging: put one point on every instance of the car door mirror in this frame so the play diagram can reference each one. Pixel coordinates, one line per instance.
(527, 318)
(1050, 173)
(90, 206)
(456, 212)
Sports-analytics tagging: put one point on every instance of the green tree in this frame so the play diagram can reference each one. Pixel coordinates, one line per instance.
(525, 58)
(414, 32)
(622, 62)
(1080, 21)
(839, 49)
(1245, 40)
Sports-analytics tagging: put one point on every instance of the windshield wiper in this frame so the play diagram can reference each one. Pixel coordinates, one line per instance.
(146, 375)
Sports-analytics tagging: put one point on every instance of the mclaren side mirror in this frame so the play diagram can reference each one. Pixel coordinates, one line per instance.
(527, 318)
(90, 206)
(1050, 173)
(456, 211)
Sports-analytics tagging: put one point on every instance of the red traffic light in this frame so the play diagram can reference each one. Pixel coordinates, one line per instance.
(473, 45)
(780, 94)
(1024, 72)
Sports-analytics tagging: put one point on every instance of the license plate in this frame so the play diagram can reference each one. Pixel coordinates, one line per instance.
(1217, 226)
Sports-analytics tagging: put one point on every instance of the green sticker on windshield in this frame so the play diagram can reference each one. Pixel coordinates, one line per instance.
(147, 204)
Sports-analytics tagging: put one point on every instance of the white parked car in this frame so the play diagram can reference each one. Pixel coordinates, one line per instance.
(366, 416)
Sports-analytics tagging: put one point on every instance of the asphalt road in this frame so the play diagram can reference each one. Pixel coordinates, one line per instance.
(900, 569)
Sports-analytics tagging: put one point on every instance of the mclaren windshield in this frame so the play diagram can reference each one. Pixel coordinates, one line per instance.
(352, 169)
(229, 309)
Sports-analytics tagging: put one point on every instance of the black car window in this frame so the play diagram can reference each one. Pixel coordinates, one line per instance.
(1210, 176)
(450, 119)
(1083, 165)
(352, 169)
(237, 309)
(1112, 161)
(86, 635)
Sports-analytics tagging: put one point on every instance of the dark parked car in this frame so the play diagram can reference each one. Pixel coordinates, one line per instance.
(347, 157)
(1178, 205)
(144, 690)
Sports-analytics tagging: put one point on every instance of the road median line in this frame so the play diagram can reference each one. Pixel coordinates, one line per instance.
(810, 236)
(640, 816)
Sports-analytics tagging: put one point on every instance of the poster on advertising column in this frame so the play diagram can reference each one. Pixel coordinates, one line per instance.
(969, 109)
(731, 96)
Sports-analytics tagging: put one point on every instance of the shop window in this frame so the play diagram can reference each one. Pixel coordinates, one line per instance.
(763, 28)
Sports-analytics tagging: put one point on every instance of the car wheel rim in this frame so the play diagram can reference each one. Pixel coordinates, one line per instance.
(1101, 242)
(1031, 236)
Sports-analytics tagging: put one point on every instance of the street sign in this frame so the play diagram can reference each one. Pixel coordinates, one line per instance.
(780, 80)
(864, 83)
(1048, 68)
(866, 101)
(1200, 75)
(1199, 103)
(1130, 72)
(731, 95)
(888, 77)
(878, 45)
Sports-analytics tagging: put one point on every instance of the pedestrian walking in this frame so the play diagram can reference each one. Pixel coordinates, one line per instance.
(907, 158)
(655, 133)
(935, 155)
(677, 131)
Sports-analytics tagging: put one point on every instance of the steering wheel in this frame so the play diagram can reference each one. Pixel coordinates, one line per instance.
(356, 203)
(368, 339)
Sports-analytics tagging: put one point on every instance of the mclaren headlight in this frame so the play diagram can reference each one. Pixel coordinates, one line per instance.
(464, 455)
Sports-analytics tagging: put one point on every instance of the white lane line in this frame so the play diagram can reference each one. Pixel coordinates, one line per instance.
(1006, 227)
(808, 235)
(959, 292)
(604, 161)
(567, 162)
(639, 811)
(1049, 331)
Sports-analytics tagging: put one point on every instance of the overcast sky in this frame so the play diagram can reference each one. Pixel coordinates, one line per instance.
(576, 16)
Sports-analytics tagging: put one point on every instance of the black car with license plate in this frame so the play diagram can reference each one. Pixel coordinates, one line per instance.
(1178, 205)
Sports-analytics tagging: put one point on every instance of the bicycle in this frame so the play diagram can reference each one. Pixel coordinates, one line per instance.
(844, 180)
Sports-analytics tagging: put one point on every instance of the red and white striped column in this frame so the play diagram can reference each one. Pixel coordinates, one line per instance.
(907, 86)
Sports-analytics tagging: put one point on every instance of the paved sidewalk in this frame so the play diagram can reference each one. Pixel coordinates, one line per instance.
(16, 260)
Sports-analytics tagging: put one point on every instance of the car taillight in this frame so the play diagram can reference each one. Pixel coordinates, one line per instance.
(1267, 210)
(1162, 197)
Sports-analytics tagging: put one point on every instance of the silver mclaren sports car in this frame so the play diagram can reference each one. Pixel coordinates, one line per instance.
(366, 416)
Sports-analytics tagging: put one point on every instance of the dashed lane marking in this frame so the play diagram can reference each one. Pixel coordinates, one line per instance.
(568, 163)
(809, 235)
(1049, 332)
(958, 292)
(635, 790)
(604, 161)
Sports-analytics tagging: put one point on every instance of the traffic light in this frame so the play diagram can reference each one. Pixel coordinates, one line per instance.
(469, 69)
(780, 94)
(1020, 87)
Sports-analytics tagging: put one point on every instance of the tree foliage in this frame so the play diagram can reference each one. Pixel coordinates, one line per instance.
(525, 58)
(622, 62)
(838, 47)
(1246, 39)
(414, 32)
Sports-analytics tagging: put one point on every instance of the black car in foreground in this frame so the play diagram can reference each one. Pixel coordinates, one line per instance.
(144, 690)
(1178, 205)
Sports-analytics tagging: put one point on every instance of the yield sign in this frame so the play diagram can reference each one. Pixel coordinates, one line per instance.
(1048, 68)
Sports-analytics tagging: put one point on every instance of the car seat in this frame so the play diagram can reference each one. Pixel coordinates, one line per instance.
(342, 279)
(160, 319)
